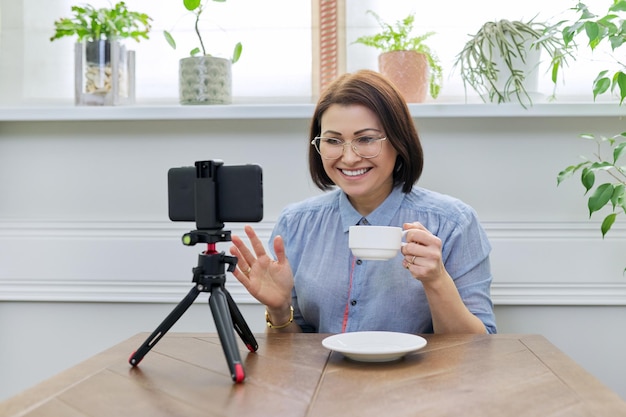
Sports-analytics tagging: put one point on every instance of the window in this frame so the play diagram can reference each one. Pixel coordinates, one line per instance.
(279, 57)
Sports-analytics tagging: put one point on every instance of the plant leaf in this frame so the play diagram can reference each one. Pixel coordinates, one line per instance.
(236, 52)
(619, 151)
(565, 174)
(569, 171)
(170, 40)
(618, 6)
(192, 5)
(618, 195)
(607, 223)
(587, 178)
(600, 85)
(592, 30)
(620, 78)
(600, 166)
(600, 197)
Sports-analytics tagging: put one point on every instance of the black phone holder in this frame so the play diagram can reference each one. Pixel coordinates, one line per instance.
(209, 276)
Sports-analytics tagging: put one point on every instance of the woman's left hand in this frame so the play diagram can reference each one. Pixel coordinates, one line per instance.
(422, 254)
(423, 258)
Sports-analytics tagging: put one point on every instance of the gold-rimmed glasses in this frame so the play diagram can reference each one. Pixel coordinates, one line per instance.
(364, 146)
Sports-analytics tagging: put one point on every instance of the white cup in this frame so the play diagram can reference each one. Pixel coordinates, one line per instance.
(376, 243)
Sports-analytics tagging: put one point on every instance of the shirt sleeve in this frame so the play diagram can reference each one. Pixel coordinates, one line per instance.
(466, 258)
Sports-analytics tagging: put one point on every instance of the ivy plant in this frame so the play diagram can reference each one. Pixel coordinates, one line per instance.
(397, 37)
(197, 8)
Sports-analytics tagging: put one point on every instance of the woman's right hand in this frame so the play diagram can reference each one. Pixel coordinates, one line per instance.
(269, 281)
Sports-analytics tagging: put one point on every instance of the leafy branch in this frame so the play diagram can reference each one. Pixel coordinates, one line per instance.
(612, 194)
(610, 27)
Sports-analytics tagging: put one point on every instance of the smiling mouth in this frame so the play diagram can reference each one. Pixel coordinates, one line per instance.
(354, 172)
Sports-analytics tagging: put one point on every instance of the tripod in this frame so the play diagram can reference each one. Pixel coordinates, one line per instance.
(209, 277)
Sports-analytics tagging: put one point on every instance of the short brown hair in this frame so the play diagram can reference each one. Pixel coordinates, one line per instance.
(372, 90)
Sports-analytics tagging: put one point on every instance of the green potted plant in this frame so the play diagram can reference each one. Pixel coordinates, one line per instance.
(608, 159)
(609, 28)
(500, 61)
(204, 78)
(405, 59)
(99, 51)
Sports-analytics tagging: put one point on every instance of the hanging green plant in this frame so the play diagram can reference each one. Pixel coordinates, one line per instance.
(509, 42)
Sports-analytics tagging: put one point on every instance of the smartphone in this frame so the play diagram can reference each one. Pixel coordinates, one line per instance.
(232, 194)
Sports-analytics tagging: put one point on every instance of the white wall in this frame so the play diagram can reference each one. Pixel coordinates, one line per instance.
(88, 257)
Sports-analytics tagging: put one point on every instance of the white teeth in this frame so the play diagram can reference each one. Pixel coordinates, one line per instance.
(355, 172)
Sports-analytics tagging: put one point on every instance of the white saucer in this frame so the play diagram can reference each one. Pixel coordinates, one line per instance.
(375, 346)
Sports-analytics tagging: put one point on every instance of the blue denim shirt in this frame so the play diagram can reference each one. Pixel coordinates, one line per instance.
(334, 292)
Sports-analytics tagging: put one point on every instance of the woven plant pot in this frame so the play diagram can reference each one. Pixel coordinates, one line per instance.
(408, 71)
(205, 80)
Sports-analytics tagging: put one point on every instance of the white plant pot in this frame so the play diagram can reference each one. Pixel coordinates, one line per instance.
(529, 65)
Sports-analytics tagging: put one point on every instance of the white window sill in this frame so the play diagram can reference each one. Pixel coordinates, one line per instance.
(295, 109)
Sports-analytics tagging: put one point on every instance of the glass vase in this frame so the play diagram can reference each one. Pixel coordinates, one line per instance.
(96, 62)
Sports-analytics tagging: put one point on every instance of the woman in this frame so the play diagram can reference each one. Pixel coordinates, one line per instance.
(366, 151)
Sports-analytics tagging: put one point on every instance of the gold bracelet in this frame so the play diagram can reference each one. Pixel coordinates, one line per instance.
(282, 326)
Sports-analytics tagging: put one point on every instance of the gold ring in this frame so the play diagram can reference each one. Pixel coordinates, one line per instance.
(413, 259)
(408, 265)
(248, 270)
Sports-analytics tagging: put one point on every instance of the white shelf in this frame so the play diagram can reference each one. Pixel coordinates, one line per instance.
(296, 111)
(156, 112)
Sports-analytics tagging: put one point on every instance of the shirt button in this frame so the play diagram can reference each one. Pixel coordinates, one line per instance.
(353, 302)
(359, 262)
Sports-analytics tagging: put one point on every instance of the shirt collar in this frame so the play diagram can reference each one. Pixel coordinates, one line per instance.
(380, 217)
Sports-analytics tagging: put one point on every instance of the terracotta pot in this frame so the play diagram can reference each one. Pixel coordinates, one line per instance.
(408, 71)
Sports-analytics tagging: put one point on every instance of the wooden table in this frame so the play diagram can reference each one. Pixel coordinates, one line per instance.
(293, 375)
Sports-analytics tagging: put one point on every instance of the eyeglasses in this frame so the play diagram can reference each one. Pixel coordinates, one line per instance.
(364, 146)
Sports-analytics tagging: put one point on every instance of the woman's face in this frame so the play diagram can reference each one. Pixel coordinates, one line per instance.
(366, 181)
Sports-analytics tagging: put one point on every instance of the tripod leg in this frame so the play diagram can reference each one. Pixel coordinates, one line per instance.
(240, 325)
(160, 331)
(221, 315)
